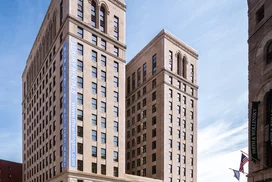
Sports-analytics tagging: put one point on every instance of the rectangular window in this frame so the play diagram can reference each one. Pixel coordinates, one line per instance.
(103, 91)
(94, 135)
(103, 107)
(94, 103)
(80, 165)
(115, 126)
(103, 137)
(116, 51)
(93, 14)
(94, 88)
(94, 56)
(260, 14)
(103, 153)
(79, 99)
(79, 131)
(144, 72)
(192, 73)
(115, 156)
(115, 81)
(80, 115)
(94, 39)
(170, 93)
(115, 141)
(94, 151)
(103, 169)
(80, 148)
(154, 64)
(80, 32)
(116, 66)
(115, 111)
(80, 49)
(80, 9)
(115, 171)
(79, 82)
(94, 119)
(94, 72)
(79, 65)
(170, 61)
(103, 122)
(138, 76)
(103, 60)
(128, 85)
(116, 27)
(103, 44)
(133, 81)
(103, 76)
(94, 167)
(115, 96)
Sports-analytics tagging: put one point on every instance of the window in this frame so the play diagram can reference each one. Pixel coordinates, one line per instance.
(94, 167)
(103, 60)
(153, 96)
(154, 64)
(144, 72)
(184, 111)
(116, 66)
(260, 14)
(115, 96)
(115, 156)
(93, 14)
(170, 168)
(116, 51)
(184, 71)
(179, 64)
(170, 61)
(115, 171)
(80, 165)
(103, 44)
(133, 81)
(115, 81)
(94, 88)
(103, 169)
(192, 73)
(103, 137)
(170, 118)
(94, 119)
(61, 11)
(154, 157)
(80, 115)
(191, 126)
(94, 103)
(192, 91)
(79, 131)
(103, 122)
(103, 91)
(128, 85)
(154, 108)
(154, 133)
(94, 72)
(79, 82)
(103, 76)
(184, 88)
(80, 9)
(79, 99)
(80, 49)
(192, 103)
(102, 19)
(115, 126)
(170, 80)
(170, 143)
(94, 135)
(153, 169)
(116, 27)
(184, 147)
(178, 97)
(115, 141)
(94, 151)
(115, 111)
(170, 93)
(94, 56)
(79, 65)
(191, 114)
(154, 83)
(103, 107)
(153, 145)
(94, 39)
(80, 32)
(170, 130)
(154, 120)
(80, 148)
(170, 106)
(103, 153)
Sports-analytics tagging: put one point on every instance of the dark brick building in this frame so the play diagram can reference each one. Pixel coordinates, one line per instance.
(10, 171)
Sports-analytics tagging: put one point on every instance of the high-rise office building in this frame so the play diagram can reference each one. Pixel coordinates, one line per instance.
(260, 93)
(161, 111)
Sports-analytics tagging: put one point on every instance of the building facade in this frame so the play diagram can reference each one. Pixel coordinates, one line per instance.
(10, 171)
(161, 111)
(260, 85)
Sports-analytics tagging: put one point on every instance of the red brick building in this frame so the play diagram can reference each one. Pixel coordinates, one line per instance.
(10, 171)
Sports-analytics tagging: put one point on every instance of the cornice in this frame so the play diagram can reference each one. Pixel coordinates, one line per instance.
(119, 4)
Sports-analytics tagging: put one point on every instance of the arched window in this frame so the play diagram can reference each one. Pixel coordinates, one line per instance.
(102, 19)
(93, 14)
(268, 156)
(184, 70)
(269, 53)
(179, 64)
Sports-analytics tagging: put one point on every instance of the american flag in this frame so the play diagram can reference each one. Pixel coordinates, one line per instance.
(244, 160)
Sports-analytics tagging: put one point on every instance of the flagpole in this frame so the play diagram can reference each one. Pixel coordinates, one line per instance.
(254, 159)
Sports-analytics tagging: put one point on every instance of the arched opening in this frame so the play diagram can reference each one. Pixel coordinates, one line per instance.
(269, 53)
(184, 66)
(179, 64)
(102, 19)
(93, 14)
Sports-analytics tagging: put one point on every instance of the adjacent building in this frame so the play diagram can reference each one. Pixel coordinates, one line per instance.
(260, 93)
(161, 110)
(10, 171)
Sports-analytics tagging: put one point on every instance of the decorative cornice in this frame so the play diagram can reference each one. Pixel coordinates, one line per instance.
(119, 4)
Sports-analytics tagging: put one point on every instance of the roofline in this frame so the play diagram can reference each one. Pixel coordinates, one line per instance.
(10, 161)
(165, 34)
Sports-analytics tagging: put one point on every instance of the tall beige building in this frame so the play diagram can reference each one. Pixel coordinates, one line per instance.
(161, 111)
(73, 107)
(259, 88)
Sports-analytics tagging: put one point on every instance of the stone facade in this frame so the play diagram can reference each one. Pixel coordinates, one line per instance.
(161, 110)
(260, 84)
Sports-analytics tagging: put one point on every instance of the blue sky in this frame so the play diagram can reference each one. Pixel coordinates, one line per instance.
(216, 29)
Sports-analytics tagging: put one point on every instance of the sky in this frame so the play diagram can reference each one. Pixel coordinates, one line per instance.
(216, 29)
